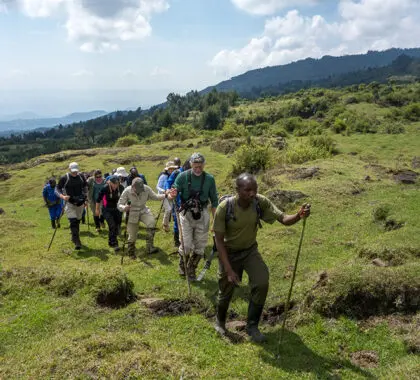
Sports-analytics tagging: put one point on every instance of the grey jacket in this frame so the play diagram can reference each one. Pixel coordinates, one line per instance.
(138, 202)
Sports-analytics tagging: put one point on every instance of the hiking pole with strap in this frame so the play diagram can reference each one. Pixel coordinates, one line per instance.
(56, 223)
(127, 214)
(208, 262)
(286, 308)
(181, 237)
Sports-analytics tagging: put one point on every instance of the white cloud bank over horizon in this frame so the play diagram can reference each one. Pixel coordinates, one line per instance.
(362, 26)
(97, 25)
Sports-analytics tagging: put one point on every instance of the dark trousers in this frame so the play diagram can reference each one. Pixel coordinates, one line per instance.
(251, 262)
(98, 220)
(112, 217)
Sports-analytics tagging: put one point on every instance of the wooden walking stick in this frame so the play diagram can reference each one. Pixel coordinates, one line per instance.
(181, 237)
(286, 308)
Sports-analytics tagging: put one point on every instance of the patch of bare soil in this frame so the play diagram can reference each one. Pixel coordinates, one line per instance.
(282, 198)
(5, 176)
(304, 173)
(170, 307)
(415, 163)
(365, 359)
(408, 177)
(275, 314)
(132, 159)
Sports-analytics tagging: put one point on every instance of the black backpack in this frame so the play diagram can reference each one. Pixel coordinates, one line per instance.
(230, 209)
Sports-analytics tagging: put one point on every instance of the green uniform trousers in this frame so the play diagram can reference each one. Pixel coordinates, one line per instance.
(251, 261)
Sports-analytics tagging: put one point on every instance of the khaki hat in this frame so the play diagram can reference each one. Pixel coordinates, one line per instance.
(170, 165)
(121, 172)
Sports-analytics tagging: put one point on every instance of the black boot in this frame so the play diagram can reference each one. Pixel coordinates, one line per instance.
(131, 250)
(254, 315)
(53, 224)
(57, 222)
(221, 313)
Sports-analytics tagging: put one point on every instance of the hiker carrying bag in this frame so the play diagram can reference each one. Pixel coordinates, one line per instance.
(193, 203)
(230, 209)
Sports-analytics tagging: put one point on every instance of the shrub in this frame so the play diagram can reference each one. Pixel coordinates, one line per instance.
(127, 141)
(391, 128)
(339, 125)
(292, 123)
(324, 142)
(300, 153)
(252, 158)
(231, 130)
(381, 213)
(178, 132)
(412, 112)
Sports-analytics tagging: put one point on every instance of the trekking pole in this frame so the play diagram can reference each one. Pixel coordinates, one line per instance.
(55, 229)
(161, 207)
(87, 216)
(286, 308)
(181, 237)
(127, 214)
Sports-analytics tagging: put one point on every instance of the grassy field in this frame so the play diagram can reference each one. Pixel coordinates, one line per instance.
(52, 327)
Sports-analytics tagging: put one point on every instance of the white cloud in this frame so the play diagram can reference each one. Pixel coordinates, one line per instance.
(361, 26)
(99, 25)
(82, 73)
(158, 71)
(267, 7)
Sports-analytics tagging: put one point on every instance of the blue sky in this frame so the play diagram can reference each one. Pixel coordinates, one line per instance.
(62, 56)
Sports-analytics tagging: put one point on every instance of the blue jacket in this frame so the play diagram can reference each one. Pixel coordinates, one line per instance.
(49, 195)
(170, 181)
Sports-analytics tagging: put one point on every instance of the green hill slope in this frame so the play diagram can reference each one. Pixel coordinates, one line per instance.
(357, 320)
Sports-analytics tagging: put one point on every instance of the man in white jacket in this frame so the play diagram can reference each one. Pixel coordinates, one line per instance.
(133, 201)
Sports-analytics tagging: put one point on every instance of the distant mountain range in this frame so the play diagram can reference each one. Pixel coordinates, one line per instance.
(252, 83)
(25, 122)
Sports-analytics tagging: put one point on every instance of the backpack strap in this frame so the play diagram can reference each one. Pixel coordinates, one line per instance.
(258, 210)
(189, 177)
(230, 212)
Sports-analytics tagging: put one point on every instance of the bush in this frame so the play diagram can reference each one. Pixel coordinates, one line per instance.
(324, 142)
(391, 128)
(252, 158)
(292, 123)
(178, 132)
(300, 153)
(412, 112)
(231, 130)
(127, 141)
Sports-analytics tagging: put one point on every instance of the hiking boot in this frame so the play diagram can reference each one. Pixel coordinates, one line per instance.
(131, 250)
(220, 324)
(53, 224)
(57, 223)
(116, 248)
(83, 219)
(254, 315)
(192, 266)
(98, 229)
(181, 268)
(165, 227)
(103, 225)
(150, 248)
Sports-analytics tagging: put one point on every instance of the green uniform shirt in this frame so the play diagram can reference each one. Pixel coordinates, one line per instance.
(241, 233)
(209, 187)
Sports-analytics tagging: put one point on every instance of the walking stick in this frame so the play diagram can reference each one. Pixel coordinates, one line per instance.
(286, 308)
(161, 207)
(87, 215)
(181, 237)
(55, 229)
(127, 214)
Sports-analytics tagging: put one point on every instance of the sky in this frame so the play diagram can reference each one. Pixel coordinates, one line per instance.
(63, 56)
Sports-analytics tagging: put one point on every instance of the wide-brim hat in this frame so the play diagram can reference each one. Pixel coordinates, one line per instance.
(121, 172)
(74, 167)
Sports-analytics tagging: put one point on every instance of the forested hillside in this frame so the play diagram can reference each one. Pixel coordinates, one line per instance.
(252, 83)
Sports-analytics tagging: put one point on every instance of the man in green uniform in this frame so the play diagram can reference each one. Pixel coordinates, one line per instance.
(235, 225)
(196, 188)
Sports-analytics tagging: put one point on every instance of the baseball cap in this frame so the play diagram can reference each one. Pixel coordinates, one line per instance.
(138, 185)
(113, 179)
(74, 167)
(197, 158)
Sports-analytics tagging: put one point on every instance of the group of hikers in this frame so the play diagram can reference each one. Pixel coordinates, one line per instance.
(185, 192)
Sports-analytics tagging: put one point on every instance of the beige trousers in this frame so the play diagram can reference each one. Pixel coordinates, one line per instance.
(194, 233)
(132, 228)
